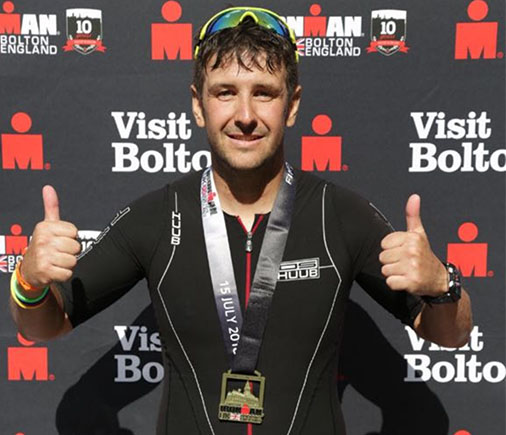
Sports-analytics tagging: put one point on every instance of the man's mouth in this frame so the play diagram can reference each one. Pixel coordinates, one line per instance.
(244, 137)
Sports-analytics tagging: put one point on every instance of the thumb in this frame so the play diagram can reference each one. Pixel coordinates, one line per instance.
(51, 208)
(413, 219)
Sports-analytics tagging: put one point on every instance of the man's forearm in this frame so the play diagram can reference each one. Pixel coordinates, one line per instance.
(43, 322)
(448, 325)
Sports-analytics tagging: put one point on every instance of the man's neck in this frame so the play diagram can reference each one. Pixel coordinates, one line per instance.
(246, 193)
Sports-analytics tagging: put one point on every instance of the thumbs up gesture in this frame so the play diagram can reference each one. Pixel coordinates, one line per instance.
(408, 261)
(51, 255)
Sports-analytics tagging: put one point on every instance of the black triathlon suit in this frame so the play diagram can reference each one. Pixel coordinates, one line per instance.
(334, 239)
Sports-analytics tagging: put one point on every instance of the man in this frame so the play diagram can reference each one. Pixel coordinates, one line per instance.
(252, 239)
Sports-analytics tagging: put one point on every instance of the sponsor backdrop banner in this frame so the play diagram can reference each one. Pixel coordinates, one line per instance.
(399, 97)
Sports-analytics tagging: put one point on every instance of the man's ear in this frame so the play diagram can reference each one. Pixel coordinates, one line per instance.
(198, 110)
(293, 107)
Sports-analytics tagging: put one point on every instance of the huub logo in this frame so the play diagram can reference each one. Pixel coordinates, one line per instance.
(26, 33)
(297, 270)
(173, 158)
(175, 229)
(473, 155)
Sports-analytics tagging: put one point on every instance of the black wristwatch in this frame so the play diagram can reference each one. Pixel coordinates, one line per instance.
(454, 288)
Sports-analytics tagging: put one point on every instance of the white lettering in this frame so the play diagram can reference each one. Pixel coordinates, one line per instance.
(124, 129)
(471, 127)
(449, 161)
(416, 341)
(498, 367)
(479, 159)
(128, 334)
(297, 24)
(423, 129)
(126, 341)
(126, 159)
(153, 372)
(128, 370)
(29, 25)
(418, 370)
(172, 127)
(422, 157)
(443, 372)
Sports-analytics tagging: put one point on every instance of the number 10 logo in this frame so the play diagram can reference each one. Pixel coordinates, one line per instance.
(388, 27)
(83, 26)
(84, 31)
(388, 31)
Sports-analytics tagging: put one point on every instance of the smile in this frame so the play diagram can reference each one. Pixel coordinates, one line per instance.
(245, 138)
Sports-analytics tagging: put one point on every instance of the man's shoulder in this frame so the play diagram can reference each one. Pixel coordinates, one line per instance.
(187, 185)
(348, 206)
(308, 183)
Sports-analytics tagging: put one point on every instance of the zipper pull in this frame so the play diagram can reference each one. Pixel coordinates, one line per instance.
(249, 242)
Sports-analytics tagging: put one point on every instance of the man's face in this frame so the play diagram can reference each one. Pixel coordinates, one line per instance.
(245, 114)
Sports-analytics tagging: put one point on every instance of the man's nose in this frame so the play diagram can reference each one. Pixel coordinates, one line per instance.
(245, 117)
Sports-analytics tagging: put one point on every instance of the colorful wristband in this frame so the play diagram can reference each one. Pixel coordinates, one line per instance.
(21, 281)
(22, 300)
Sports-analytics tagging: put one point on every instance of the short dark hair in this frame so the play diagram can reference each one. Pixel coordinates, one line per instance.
(246, 43)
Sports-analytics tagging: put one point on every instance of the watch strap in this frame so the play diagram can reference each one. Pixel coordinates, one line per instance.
(454, 288)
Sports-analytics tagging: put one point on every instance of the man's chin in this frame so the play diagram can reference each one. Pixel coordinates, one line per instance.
(246, 164)
(243, 166)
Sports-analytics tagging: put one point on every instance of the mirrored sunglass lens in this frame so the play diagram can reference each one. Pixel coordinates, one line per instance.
(273, 23)
(231, 19)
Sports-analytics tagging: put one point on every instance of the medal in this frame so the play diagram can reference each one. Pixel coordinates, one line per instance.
(241, 404)
(242, 387)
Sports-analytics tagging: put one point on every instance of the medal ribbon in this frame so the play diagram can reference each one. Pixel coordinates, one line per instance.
(243, 341)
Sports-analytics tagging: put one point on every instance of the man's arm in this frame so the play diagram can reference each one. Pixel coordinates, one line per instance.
(409, 264)
(44, 322)
(448, 325)
(50, 258)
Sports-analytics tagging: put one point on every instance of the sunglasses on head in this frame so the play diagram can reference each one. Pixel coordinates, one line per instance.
(232, 17)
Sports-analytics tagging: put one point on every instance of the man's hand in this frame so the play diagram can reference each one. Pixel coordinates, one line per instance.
(408, 261)
(51, 255)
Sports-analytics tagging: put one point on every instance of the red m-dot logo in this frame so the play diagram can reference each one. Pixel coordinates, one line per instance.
(322, 152)
(469, 256)
(22, 150)
(27, 363)
(171, 40)
(477, 39)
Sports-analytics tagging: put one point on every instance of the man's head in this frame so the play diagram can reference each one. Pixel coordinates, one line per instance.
(246, 42)
(245, 90)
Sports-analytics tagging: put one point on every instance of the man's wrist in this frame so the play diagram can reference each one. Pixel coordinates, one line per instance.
(452, 287)
(443, 280)
(27, 299)
(27, 287)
